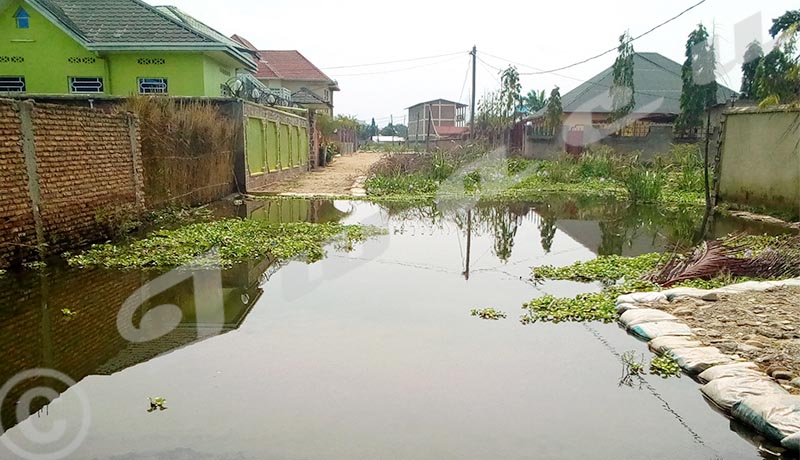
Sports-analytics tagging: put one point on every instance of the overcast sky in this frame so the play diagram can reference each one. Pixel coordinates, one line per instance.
(542, 34)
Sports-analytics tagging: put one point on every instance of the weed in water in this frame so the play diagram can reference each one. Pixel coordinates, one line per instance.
(665, 366)
(632, 369)
(233, 240)
(644, 186)
(488, 313)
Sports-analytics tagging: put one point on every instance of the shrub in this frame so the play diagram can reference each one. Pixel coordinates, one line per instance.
(643, 185)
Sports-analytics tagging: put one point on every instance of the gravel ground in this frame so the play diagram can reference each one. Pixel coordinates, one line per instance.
(763, 327)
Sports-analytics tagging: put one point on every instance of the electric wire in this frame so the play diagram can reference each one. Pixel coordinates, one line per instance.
(391, 62)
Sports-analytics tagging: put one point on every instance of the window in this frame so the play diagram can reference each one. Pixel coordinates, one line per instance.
(86, 85)
(153, 86)
(12, 84)
(151, 61)
(23, 19)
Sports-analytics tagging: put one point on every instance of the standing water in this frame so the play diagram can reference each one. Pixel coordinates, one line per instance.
(369, 353)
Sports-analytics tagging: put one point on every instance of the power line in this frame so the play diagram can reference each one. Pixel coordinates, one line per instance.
(397, 70)
(464, 86)
(391, 62)
(611, 50)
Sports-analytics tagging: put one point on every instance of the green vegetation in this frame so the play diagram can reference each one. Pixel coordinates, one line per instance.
(674, 179)
(607, 269)
(624, 275)
(665, 366)
(230, 240)
(488, 313)
(157, 404)
(35, 265)
(67, 313)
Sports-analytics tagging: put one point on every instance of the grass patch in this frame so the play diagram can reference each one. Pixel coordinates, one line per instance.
(233, 241)
(665, 367)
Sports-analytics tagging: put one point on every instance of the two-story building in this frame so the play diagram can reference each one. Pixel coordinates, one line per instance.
(292, 76)
(439, 119)
(111, 47)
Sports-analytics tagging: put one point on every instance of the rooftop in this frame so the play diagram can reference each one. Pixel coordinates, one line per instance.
(289, 65)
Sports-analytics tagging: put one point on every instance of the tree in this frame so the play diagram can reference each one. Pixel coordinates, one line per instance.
(699, 81)
(401, 130)
(777, 78)
(752, 59)
(554, 109)
(534, 101)
(389, 130)
(789, 20)
(510, 93)
(373, 129)
(623, 91)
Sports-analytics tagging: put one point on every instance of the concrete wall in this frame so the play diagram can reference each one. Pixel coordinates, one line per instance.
(62, 168)
(659, 141)
(259, 172)
(760, 161)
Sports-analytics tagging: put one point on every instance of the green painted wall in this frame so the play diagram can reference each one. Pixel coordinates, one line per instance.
(256, 152)
(215, 75)
(46, 51)
(183, 71)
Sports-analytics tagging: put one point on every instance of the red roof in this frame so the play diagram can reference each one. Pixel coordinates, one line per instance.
(450, 130)
(288, 65)
(244, 42)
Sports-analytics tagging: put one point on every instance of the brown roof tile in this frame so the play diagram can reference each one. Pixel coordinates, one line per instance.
(288, 65)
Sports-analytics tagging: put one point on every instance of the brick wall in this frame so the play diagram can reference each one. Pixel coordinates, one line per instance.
(81, 164)
(17, 231)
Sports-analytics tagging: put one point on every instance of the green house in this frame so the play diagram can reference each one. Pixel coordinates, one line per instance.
(112, 47)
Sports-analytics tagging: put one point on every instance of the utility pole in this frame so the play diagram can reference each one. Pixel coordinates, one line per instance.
(474, 54)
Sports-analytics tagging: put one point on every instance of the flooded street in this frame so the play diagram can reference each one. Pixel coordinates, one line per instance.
(369, 353)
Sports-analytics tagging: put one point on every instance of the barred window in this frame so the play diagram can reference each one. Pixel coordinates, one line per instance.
(153, 86)
(12, 59)
(81, 60)
(86, 85)
(13, 84)
(151, 61)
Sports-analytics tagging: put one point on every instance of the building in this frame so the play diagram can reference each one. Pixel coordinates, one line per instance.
(587, 109)
(293, 77)
(439, 119)
(112, 47)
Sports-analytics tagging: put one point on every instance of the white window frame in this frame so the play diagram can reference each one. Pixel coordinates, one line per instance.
(153, 80)
(20, 78)
(73, 90)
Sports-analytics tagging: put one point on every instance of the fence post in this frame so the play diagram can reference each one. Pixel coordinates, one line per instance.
(133, 134)
(25, 110)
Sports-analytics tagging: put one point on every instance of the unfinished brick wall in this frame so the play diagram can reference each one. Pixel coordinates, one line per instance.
(63, 168)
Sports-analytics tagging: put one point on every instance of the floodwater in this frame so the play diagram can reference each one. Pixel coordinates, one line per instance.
(366, 354)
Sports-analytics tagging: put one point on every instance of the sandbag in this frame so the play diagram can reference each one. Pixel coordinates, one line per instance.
(728, 391)
(745, 369)
(644, 315)
(747, 286)
(623, 307)
(642, 297)
(794, 282)
(650, 331)
(775, 416)
(792, 443)
(698, 359)
(667, 343)
(692, 293)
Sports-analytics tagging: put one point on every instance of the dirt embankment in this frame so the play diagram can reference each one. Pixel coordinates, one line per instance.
(763, 327)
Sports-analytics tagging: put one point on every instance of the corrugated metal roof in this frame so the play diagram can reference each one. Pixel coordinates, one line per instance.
(657, 85)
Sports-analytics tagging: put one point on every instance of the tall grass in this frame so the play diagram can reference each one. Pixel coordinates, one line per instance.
(187, 150)
(644, 185)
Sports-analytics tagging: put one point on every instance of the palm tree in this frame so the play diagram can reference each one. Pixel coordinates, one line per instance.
(534, 101)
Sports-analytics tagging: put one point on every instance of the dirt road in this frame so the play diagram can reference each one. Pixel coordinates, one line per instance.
(344, 176)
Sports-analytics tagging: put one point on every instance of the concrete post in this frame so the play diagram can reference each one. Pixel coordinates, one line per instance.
(25, 110)
(136, 157)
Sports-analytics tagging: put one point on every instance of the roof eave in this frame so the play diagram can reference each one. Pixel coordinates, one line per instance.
(74, 34)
